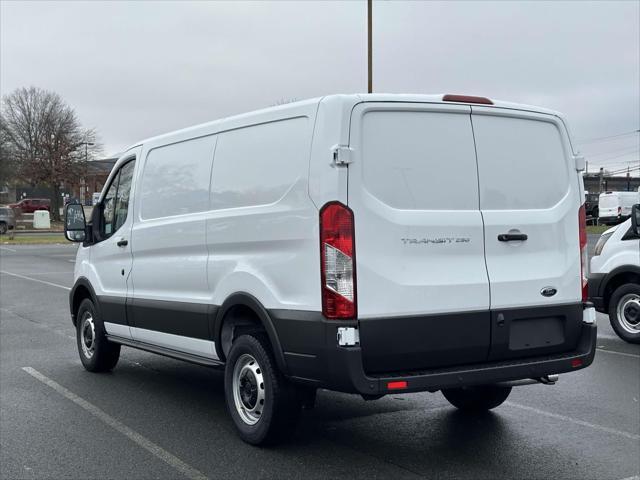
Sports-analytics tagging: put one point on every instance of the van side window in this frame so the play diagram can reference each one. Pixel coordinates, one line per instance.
(257, 165)
(175, 179)
(116, 201)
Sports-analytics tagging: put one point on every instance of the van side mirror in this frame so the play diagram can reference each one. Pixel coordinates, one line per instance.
(75, 225)
(635, 219)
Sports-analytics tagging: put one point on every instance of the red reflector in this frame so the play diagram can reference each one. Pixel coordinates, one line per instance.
(576, 362)
(396, 385)
(466, 99)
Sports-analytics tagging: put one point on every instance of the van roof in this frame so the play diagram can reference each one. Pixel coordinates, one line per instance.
(348, 101)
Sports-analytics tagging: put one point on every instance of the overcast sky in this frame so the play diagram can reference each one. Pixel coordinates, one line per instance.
(137, 69)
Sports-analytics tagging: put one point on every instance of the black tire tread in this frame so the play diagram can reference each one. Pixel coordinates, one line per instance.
(283, 418)
(477, 398)
(106, 354)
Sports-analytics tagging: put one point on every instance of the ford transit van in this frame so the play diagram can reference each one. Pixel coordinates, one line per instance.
(615, 207)
(318, 245)
(614, 281)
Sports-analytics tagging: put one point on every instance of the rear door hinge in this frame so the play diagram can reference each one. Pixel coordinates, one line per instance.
(342, 155)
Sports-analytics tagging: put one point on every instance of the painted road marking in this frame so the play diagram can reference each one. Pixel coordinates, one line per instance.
(632, 355)
(8, 249)
(34, 279)
(620, 433)
(182, 467)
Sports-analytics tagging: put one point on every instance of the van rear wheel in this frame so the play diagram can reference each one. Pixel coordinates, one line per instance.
(477, 398)
(624, 312)
(263, 404)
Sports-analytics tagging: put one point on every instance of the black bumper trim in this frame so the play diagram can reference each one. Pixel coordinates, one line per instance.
(596, 281)
(485, 373)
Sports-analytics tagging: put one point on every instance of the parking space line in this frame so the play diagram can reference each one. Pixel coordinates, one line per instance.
(156, 450)
(52, 273)
(632, 355)
(34, 279)
(620, 433)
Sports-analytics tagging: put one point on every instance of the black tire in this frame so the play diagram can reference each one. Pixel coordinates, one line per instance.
(623, 299)
(3, 228)
(478, 398)
(99, 354)
(280, 410)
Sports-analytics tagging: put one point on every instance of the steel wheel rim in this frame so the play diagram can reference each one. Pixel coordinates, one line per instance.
(248, 389)
(628, 312)
(88, 335)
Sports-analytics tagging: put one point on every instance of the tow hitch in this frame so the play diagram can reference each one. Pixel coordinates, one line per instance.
(546, 380)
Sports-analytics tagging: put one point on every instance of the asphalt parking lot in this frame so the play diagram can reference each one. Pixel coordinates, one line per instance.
(154, 417)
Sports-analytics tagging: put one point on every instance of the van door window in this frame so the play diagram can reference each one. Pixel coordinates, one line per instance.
(122, 197)
(108, 208)
(116, 201)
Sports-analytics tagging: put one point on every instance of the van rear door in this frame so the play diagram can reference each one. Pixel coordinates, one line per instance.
(530, 195)
(422, 286)
(608, 205)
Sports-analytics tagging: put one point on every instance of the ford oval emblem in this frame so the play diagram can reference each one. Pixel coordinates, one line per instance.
(548, 292)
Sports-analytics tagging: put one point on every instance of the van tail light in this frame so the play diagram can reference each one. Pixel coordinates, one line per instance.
(337, 261)
(584, 259)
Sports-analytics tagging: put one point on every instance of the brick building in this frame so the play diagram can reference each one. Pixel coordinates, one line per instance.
(81, 188)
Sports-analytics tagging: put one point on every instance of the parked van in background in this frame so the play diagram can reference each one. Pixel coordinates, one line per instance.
(615, 207)
(614, 282)
(318, 245)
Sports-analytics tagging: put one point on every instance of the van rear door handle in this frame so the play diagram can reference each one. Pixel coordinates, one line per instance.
(512, 237)
(122, 242)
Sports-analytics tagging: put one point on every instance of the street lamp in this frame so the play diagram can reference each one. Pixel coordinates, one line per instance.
(83, 185)
(86, 149)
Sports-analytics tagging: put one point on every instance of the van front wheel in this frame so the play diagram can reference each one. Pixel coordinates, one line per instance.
(263, 404)
(624, 312)
(477, 398)
(96, 352)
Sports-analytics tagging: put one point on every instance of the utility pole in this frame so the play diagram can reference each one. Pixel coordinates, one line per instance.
(369, 45)
(601, 182)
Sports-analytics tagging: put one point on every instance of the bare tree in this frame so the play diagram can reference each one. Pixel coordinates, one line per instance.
(42, 141)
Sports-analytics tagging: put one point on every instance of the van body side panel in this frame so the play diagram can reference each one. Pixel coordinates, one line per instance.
(169, 276)
(422, 286)
(262, 229)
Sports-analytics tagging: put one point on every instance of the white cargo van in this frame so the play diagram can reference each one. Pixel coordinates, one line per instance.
(615, 207)
(318, 245)
(614, 280)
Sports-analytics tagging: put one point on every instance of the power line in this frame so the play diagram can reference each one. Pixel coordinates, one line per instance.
(610, 152)
(608, 137)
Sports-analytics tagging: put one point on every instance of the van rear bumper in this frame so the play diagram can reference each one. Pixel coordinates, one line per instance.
(349, 367)
(341, 368)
